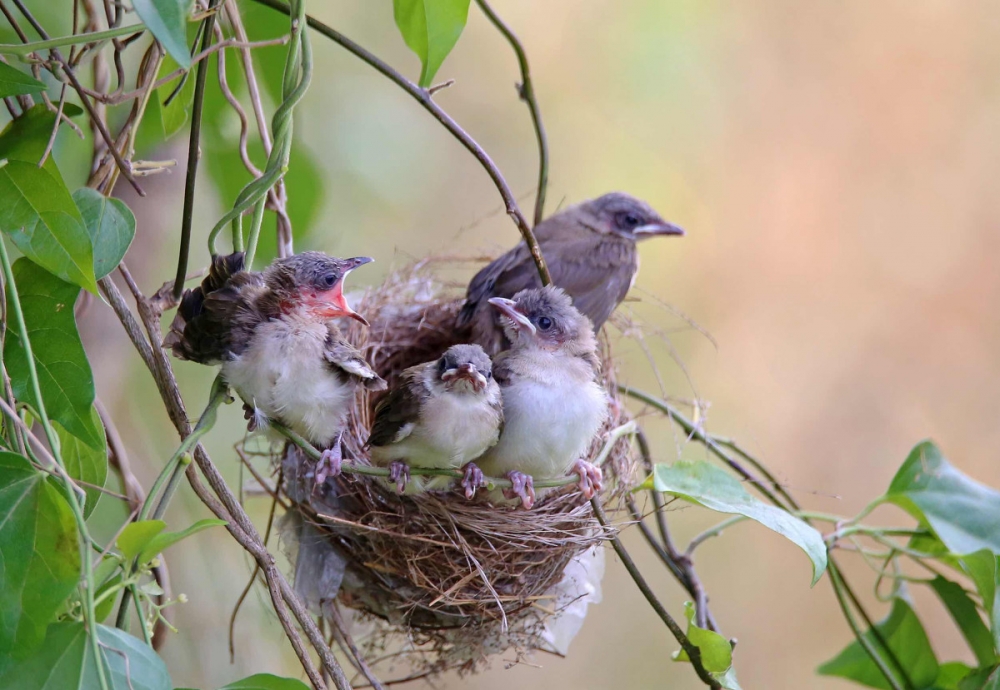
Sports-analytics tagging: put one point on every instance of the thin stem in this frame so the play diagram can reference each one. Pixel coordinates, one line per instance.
(697, 434)
(77, 39)
(526, 91)
(194, 154)
(712, 532)
(424, 99)
(693, 652)
(72, 497)
(838, 589)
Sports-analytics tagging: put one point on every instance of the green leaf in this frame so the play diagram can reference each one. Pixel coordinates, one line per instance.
(951, 674)
(137, 535)
(167, 20)
(982, 679)
(111, 227)
(712, 488)
(89, 465)
(716, 651)
(38, 212)
(174, 114)
(14, 82)
(431, 29)
(66, 660)
(40, 219)
(963, 513)
(963, 610)
(160, 542)
(265, 681)
(983, 567)
(905, 636)
(39, 557)
(63, 370)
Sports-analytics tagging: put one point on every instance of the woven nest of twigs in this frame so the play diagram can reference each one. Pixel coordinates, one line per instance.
(444, 581)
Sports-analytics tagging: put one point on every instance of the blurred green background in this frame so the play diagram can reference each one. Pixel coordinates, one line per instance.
(835, 166)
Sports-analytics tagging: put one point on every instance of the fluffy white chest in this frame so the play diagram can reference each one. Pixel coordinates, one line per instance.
(284, 373)
(453, 429)
(548, 424)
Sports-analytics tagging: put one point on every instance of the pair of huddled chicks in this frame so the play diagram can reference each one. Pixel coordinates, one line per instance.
(529, 413)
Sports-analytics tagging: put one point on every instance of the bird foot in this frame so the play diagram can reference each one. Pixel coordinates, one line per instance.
(523, 488)
(255, 418)
(399, 472)
(472, 480)
(331, 461)
(590, 477)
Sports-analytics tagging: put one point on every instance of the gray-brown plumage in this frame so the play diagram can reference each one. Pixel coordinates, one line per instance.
(441, 414)
(274, 335)
(590, 250)
(552, 402)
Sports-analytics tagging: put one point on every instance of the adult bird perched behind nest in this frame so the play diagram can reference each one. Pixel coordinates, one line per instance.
(454, 580)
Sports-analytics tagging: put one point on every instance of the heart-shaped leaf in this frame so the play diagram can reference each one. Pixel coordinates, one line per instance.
(964, 514)
(137, 535)
(716, 651)
(63, 370)
(14, 82)
(905, 636)
(39, 557)
(83, 463)
(713, 488)
(111, 227)
(963, 611)
(167, 20)
(265, 681)
(38, 212)
(161, 541)
(66, 660)
(431, 29)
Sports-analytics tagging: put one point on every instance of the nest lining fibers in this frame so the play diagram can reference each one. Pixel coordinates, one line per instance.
(443, 581)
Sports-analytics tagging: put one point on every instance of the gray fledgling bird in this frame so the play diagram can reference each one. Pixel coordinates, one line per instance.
(274, 335)
(591, 253)
(442, 414)
(552, 402)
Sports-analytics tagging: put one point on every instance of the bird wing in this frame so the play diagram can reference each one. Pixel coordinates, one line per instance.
(397, 413)
(217, 318)
(597, 275)
(346, 359)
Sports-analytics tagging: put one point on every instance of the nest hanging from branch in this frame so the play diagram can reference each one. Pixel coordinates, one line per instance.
(445, 581)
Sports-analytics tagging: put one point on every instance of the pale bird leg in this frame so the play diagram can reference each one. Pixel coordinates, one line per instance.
(590, 477)
(523, 488)
(399, 472)
(330, 462)
(472, 480)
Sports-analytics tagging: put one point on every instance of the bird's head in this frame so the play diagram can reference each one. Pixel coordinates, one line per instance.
(546, 318)
(623, 215)
(465, 369)
(314, 282)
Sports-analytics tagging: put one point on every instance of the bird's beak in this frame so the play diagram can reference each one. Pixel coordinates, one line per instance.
(508, 308)
(656, 229)
(468, 372)
(336, 294)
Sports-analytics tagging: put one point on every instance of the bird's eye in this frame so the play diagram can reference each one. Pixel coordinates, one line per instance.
(544, 323)
(489, 375)
(629, 220)
(330, 279)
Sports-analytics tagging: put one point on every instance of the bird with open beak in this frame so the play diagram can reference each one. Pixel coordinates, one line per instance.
(442, 414)
(590, 250)
(274, 335)
(553, 405)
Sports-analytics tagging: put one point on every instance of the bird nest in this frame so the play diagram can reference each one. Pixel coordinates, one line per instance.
(444, 582)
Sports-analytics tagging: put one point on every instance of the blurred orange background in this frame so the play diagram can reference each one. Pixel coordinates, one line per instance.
(834, 165)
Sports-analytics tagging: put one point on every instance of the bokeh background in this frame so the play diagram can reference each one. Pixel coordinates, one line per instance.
(835, 165)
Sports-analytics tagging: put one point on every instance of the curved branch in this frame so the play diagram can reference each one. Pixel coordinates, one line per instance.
(423, 97)
(527, 94)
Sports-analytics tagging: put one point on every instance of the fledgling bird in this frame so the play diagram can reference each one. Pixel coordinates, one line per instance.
(552, 402)
(274, 335)
(590, 250)
(441, 414)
